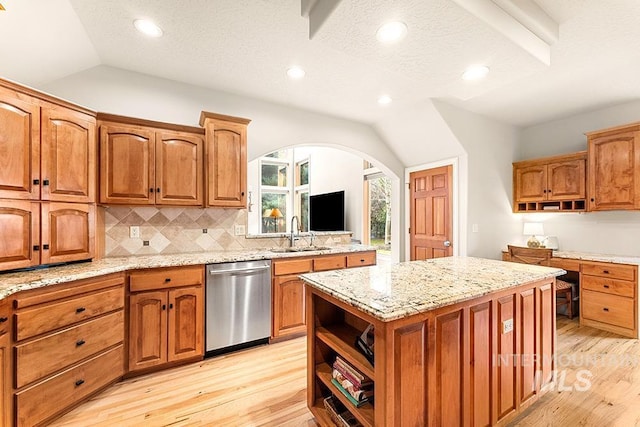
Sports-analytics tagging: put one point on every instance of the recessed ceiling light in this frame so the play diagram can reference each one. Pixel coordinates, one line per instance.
(475, 72)
(391, 32)
(147, 27)
(384, 100)
(295, 72)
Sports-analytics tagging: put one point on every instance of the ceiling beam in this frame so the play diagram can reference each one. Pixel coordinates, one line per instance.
(521, 21)
(318, 11)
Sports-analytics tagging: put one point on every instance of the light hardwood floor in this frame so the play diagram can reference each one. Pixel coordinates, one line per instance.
(266, 386)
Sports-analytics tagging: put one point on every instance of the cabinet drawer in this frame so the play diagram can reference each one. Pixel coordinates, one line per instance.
(329, 263)
(611, 309)
(565, 264)
(609, 286)
(165, 278)
(42, 401)
(39, 358)
(292, 266)
(361, 259)
(614, 271)
(48, 317)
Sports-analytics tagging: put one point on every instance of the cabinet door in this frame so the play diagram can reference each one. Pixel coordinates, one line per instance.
(614, 172)
(226, 166)
(530, 183)
(5, 375)
(68, 232)
(19, 146)
(127, 156)
(68, 151)
(179, 168)
(147, 329)
(566, 180)
(186, 323)
(288, 306)
(20, 225)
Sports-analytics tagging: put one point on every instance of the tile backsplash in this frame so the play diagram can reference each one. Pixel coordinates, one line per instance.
(171, 230)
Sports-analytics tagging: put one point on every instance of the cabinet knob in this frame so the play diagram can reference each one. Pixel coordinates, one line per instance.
(605, 271)
(170, 306)
(45, 182)
(151, 190)
(80, 309)
(157, 189)
(242, 194)
(167, 280)
(544, 191)
(36, 247)
(606, 286)
(79, 383)
(79, 343)
(36, 182)
(605, 309)
(593, 200)
(45, 247)
(3, 319)
(164, 306)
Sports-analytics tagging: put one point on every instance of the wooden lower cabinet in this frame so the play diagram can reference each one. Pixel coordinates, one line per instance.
(475, 363)
(6, 409)
(288, 304)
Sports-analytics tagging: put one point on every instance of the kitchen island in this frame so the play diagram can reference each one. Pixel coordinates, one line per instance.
(457, 341)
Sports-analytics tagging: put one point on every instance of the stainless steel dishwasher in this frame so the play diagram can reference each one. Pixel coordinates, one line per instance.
(238, 305)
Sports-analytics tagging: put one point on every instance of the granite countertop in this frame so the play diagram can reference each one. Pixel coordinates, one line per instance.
(586, 256)
(11, 283)
(393, 291)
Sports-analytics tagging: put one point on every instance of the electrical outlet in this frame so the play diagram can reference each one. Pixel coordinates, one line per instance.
(134, 232)
(507, 326)
(239, 230)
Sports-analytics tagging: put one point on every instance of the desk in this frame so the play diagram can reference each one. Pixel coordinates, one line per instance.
(608, 289)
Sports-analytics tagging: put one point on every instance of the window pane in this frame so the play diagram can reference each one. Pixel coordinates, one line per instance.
(282, 154)
(274, 213)
(275, 175)
(304, 173)
(304, 211)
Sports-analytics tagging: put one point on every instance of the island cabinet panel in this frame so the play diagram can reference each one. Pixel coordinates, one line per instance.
(473, 363)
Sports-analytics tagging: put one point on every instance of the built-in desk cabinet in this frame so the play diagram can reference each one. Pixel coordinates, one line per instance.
(166, 317)
(68, 344)
(287, 292)
(150, 163)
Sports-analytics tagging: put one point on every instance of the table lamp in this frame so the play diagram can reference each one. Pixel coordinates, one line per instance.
(533, 229)
(276, 214)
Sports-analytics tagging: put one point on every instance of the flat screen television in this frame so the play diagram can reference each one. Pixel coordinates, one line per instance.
(326, 212)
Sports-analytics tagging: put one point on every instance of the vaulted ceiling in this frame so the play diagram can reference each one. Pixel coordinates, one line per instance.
(246, 46)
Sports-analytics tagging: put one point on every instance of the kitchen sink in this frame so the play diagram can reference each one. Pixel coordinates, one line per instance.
(300, 249)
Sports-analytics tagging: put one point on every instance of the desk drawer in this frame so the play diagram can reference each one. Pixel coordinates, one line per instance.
(361, 259)
(611, 309)
(45, 318)
(336, 262)
(613, 271)
(41, 402)
(610, 286)
(39, 358)
(294, 266)
(165, 278)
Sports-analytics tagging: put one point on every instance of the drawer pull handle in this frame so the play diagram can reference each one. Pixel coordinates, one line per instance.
(167, 280)
(605, 271)
(80, 309)
(3, 319)
(45, 246)
(79, 343)
(605, 309)
(606, 286)
(79, 383)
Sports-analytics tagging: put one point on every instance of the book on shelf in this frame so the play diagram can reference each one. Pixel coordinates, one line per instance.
(339, 414)
(364, 343)
(358, 394)
(356, 378)
(351, 399)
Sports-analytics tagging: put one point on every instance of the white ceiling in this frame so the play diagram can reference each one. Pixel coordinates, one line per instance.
(245, 47)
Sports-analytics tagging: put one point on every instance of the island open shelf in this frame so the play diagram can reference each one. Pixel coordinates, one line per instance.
(478, 360)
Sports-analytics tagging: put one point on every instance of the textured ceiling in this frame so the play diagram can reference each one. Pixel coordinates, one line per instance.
(245, 47)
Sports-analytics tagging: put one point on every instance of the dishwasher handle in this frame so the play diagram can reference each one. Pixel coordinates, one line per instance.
(238, 270)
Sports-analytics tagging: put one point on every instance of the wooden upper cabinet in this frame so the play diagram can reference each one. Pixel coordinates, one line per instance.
(68, 151)
(614, 168)
(68, 232)
(543, 184)
(226, 159)
(19, 146)
(179, 165)
(20, 225)
(143, 163)
(127, 172)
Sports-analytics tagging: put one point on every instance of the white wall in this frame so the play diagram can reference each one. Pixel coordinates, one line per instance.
(614, 232)
(490, 148)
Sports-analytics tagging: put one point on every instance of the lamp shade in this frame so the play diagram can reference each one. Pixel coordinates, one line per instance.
(266, 213)
(275, 213)
(533, 229)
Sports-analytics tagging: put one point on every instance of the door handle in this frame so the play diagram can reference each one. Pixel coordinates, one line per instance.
(446, 243)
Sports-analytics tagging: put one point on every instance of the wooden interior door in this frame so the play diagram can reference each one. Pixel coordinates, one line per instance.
(226, 164)
(147, 329)
(68, 232)
(179, 166)
(20, 225)
(19, 147)
(431, 229)
(186, 323)
(68, 156)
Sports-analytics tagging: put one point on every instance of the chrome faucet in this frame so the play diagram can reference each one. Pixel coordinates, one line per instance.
(293, 237)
